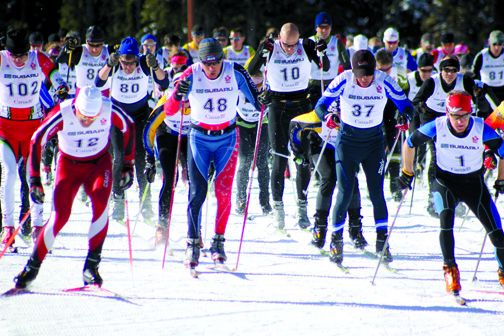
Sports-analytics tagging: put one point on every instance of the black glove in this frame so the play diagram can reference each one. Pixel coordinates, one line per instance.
(321, 46)
(152, 62)
(113, 60)
(182, 88)
(126, 176)
(269, 44)
(264, 97)
(405, 180)
(499, 186)
(62, 92)
(36, 190)
(71, 43)
(150, 169)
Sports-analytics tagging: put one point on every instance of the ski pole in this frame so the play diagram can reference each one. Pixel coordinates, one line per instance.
(414, 183)
(16, 231)
(389, 234)
(392, 150)
(251, 176)
(474, 278)
(128, 230)
(319, 159)
(174, 182)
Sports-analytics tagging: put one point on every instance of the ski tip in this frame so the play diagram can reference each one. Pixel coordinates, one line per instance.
(15, 291)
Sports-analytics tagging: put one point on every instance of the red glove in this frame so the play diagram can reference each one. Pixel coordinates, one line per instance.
(490, 161)
(332, 121)
(402, 123)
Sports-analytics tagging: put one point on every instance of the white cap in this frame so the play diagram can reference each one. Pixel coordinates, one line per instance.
(89, 101)
(390, 35)
(360, 42)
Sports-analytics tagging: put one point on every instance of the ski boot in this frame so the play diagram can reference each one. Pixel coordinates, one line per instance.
(336, 252)
(452, 278)
(266, 208)
(37, 231)
(48, 175)
(192, 252)
(147, 213)
(380, 243)
(279, 214)
(28, 274)
(26, 228)
(302, 216)
(355, 229)
(217, 249)
(461, 210)
(90, 274)
(431, 210)
(500, 273)
(118, 211)
(319, 231)
(395, 190)
(8, 234)
(240, 207)
(160, 235)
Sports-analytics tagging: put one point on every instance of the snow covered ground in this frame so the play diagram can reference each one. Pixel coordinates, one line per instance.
(283, 285)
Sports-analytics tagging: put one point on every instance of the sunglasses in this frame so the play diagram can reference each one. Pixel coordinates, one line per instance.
(460, 116)
(21, 55)
(127, 62)
(211, 63)
(149, 44)
(425, 70)
(497, 44)
(385, 69)
(450, 70)
(235, 38)
(95, 45)
(289, 46)
(392, 42)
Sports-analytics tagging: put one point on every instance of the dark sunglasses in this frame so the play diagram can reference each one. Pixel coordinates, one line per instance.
(450, 70)
(127, 62)
(497, 44)
(21, 55)
(95, 45)
(392, 42)
(235, 38)
(211, 63)
(425, 70)
(289, 45)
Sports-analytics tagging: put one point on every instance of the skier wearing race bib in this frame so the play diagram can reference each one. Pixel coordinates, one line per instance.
(363, 93)
(212, 86)
(465, 145)
(83, 129)
(129, 73)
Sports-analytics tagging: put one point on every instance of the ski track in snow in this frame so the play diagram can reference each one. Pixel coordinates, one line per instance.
(283, 286)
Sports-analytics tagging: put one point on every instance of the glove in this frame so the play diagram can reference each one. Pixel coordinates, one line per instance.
(71, 43)
(269, 43)
(36, 190)
(182, 89)
(499, 186)
(152, 62)
(113, 60)
(332, 121)
(264, 97)
(62, 92)
(404, 181)
(126, 176)
(489, 161)
(150, 169)
(321, 46)
(402, 123)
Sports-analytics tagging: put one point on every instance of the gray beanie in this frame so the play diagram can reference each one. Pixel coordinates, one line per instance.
(210, 50)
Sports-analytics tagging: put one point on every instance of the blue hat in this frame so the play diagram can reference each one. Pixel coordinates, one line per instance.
(323, 18)
(129, 46)
(148, 37)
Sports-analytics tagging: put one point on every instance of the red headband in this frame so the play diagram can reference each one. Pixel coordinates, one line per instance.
(180, 60)
(458, 102)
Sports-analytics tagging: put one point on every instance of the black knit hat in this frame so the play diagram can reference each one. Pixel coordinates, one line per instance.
(363, 63)
(210, 50)
(450, 61)
(425, 59)
(95, 34)
(17, 41)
